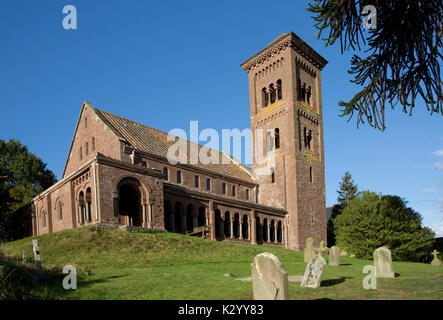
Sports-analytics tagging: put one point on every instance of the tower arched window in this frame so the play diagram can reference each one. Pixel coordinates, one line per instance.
(208, 184)
(93, 144)
(165, 174)
(273, 175)
(308, 94)
(44, 219)
(81, 153)
(265, 97)
(247, 194)
(311, 177)
(179, 176)
(272, 93)
(279, 90)
(277, 138)
(224, 188)
(196, 182)
(233, 191)
(87, 148)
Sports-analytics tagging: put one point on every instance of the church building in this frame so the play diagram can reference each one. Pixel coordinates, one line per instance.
(118, 173)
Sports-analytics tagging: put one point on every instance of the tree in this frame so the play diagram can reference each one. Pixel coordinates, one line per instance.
(22, 176)
(403, 57)
(347, 191)
(370, 221)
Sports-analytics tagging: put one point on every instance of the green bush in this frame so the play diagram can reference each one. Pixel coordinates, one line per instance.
(16, 282)
(370, 221)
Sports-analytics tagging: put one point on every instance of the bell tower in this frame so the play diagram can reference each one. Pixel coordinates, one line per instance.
(287, 132)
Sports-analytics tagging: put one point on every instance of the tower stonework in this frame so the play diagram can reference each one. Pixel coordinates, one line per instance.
(287, 132)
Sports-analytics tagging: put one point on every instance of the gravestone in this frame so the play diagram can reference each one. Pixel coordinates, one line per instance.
(38, 263)
(269, 278)
(24, 258)
(383, 263)
(314, 272)
(334, 256)
(309, 251)
(436, 261)
(323, 249)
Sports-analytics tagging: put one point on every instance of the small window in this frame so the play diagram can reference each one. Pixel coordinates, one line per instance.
(247, 194)
(272, 93)
(233, 191)
(93, 144)
(81, 153)
(308, 94)
(144, 164)
(87, 148)
(179, 176)
(279, 90)
(277, 138)
(273, 175)
(265, 97)
(311, 178)
(208, 184)
(196, 182)
(60, 211)
(224, 188)
(86, 122)
(165, 174)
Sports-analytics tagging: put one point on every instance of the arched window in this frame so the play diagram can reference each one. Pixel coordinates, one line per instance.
(86, 122)
(277, 138)
(93, 144)
(88, 205)
(272, 93)
(81, 153)
(308, 94)
(165, 174)
(196, 182)
(60, 210)
(311, 178)
(247, 194)
(179, 176)
(44, 219)
(265, 97)
(224, 188)
(303, 92)
(299, 90)
(144, 164)
(87, 148)
(273, 175)
(279, 90)
(208, 184)
(233, 191)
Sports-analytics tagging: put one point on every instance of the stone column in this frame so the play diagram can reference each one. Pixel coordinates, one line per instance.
(240, 226)
(275, 233)
(212, 219)
(80, 214)
(252, 228)
(222, 228)
(249, 229)
(232, 227)
(150, 222)
(144, 214)
(87, 212)
(268, 225)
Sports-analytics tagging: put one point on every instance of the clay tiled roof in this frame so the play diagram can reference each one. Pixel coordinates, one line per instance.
(154, 141)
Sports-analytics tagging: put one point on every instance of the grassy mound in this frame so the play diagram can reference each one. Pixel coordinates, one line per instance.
(115, 264)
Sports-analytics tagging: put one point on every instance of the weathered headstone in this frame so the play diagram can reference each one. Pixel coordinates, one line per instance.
(314, 273)
(269, 278)
(334, 256)
(383, 263)
(38, 263)
(436, 261)
(24, 258)
(323, 249)
(309, 251)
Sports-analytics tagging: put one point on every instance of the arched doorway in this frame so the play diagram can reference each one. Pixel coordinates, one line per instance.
(169, 216)
(129, 205)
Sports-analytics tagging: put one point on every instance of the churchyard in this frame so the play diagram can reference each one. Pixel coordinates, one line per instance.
(116, 264)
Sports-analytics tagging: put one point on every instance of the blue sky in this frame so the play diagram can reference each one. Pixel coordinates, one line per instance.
(166, 63)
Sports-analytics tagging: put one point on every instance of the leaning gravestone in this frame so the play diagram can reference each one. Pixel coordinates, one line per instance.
(383, 263)
(334, 256)
(436, 261)
(269, 278)
(314, 272)
(309, 250)
(38, 263)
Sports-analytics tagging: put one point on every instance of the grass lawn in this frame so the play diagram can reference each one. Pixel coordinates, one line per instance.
(161, 265)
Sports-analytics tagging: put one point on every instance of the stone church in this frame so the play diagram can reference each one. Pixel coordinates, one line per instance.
(117, 172)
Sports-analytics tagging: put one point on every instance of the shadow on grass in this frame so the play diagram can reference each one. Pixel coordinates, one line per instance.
(396, 275)
(87, 283)
(333, 282)
(345, 264)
